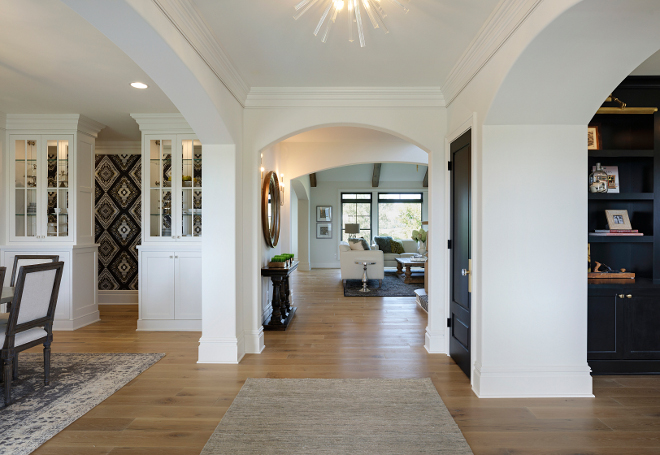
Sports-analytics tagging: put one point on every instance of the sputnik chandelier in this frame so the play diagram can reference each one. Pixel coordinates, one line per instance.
(355, 9)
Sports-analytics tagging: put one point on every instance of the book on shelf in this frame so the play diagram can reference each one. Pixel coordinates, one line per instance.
(617, 234)
(606, 231)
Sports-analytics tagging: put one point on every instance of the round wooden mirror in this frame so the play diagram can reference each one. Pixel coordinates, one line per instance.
(270, 209)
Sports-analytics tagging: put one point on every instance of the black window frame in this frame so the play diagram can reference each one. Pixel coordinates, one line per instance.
(419, 201)
(357, 201)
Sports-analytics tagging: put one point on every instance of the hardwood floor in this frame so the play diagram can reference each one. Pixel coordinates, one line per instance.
(173, 407)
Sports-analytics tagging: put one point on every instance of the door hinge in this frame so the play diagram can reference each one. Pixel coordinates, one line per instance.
(449, 244)
(448, 322)
(449, 166)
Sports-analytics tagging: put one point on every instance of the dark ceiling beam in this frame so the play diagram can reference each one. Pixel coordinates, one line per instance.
(425, 182)
(375, 179)
(312, 180)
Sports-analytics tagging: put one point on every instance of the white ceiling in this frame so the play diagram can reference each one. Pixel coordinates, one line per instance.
(389, 172)
(270, 49)
(52, 61)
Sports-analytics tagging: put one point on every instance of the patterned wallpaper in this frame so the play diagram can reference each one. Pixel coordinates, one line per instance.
(118, 220)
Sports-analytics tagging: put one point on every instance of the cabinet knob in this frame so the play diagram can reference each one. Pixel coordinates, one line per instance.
(621, 296)
(629, 296)
(173, 256)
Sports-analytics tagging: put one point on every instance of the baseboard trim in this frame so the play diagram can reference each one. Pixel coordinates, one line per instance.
(219, 350)
(254, 341)
(69, 325)
(169, 325)
(326, 265)
(434, 342)
(533, 382)
(118, 297)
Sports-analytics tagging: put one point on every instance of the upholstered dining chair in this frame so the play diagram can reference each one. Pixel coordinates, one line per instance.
(31, 317)
(29, 259)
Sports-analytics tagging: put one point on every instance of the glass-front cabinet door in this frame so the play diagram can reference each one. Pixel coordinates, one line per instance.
(39, 203)
(174, 174)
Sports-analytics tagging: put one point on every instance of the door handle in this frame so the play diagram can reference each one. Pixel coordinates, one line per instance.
(465, 272)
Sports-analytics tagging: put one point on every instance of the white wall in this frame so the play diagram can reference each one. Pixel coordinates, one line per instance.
(325, 252)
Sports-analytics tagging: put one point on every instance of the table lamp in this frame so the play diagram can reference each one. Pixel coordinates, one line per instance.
(352, 229)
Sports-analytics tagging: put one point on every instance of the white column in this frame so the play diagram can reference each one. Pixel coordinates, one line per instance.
(253, 239)
(303, 235)
(437, 317)
(533, 235)
(4, 174)
(220, 341)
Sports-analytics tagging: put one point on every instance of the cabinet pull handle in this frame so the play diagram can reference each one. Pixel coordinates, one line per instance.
(621, 296)
(629, 296)
(176, 257)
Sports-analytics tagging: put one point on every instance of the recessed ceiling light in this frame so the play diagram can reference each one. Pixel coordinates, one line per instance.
(139, 85)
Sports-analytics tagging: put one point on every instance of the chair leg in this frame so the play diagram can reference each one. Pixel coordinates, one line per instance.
(6, 375)
(46, 365)
(380, 284)
(15, 369)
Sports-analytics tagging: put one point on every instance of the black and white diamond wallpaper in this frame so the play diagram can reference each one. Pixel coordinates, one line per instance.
(118, 220)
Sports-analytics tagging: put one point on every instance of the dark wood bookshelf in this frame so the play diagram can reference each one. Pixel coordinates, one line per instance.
(624, 316)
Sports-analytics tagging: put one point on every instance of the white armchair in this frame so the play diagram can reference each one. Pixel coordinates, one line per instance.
(352, 271)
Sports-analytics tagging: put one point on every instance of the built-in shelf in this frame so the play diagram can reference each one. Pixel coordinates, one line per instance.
(622, 196)
(620, 239)
(621, 153)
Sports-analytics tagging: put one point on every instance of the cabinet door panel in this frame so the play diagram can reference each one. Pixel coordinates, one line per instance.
(604, 327)
(157, 293)
(188, 285)
(642, 321)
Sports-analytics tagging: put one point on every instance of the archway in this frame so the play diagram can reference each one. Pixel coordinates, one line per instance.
(551, 76)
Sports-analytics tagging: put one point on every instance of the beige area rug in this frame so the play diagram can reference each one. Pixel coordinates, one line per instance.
(337, 416)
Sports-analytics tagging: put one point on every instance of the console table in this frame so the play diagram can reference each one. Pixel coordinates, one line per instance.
(283, 312)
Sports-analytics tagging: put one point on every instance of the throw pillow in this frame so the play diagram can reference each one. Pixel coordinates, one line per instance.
(365, 244)
(383, 243)
(396, 246)
(355, 244)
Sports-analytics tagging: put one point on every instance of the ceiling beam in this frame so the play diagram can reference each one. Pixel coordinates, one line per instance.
(375, 179)
(425, 182)
(312, 180)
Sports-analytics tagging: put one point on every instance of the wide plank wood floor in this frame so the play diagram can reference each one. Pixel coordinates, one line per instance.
(173, 407)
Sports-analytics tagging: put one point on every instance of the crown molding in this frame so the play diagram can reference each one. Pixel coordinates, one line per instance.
(265, 97)
(154, 123)
(54, 122)
(187, 20)
(502, 23)
(118, 148)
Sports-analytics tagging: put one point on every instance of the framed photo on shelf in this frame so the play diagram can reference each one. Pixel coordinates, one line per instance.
(618, 219)
(612, 178)
(593, 137)
(323, 230)
(323, 213)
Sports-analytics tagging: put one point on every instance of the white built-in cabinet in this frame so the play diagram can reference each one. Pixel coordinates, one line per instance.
(49, 205)
(170, 257)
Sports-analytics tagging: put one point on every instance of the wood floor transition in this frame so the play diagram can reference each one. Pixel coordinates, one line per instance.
(173, 407)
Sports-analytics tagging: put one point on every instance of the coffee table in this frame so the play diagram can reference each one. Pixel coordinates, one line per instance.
(410, 276)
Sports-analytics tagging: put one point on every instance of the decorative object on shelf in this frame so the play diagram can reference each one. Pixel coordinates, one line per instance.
(420, 236)
(270, 209)
(323, 213)
(323, 230)
(618, 219)
(612, 177)
(280, 261)
(609, 273)
(351, 229)
(593, 137)
(186, 180)
(623, 109)
(598, 180)
(355, 8)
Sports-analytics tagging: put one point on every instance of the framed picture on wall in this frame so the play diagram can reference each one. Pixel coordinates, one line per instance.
(323, 213)
(323, 230)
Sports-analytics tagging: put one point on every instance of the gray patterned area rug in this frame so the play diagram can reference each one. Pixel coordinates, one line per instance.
(393, 286)
(78, 382)
(337, 416)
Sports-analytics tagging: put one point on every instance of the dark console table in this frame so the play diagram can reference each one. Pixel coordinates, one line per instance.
(283, 312)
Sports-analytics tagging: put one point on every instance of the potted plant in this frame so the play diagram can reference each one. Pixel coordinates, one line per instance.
(420, 237)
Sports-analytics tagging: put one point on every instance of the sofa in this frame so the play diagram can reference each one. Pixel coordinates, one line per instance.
(409, 248)
(352, 271)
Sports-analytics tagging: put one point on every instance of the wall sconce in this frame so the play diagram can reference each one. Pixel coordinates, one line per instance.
(282, 189)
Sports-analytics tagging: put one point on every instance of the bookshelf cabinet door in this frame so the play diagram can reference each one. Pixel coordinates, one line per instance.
(605, 327)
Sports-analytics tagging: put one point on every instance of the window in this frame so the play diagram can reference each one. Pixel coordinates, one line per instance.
(356, 208)
(399, 214)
